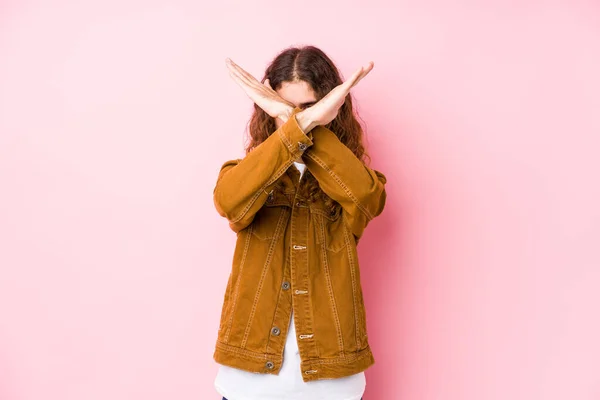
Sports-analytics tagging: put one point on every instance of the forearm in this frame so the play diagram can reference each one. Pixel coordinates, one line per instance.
(306, 121)
(304, 118)
(359, 189)
(243, 184)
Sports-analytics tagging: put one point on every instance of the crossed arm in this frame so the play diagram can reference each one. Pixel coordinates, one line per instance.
(243, 184)
(359, 189)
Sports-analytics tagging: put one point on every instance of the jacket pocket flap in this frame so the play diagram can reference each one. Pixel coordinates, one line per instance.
(276, 199)
(331, 215)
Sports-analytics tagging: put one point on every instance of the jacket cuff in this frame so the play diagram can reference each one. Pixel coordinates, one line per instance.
(293, 137)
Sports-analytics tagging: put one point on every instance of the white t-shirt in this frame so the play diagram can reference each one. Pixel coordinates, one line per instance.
(237, 384)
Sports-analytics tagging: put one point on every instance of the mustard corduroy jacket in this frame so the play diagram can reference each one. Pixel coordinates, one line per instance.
(294, 254)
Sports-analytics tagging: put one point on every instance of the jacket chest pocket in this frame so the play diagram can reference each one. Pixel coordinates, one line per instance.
(331, 230)
(264, 224)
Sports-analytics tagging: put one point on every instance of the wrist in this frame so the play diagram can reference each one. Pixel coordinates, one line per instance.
(305, 121)
(285, 114)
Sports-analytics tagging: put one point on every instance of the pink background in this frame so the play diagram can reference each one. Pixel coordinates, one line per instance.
(480, 278)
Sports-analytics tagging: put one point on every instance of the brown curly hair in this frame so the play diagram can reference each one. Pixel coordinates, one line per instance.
(312, 65)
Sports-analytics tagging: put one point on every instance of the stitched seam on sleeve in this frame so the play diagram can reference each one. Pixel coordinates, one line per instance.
(285, 139)
(270, 181)
(262, 190)
(342, 184)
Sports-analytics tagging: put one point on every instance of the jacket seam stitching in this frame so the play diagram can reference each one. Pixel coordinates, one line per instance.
(274, 240)
(237, 284)
(264, 356)
(341, 183)
(330, 292)
(353, 275)
(237, 350)
(310, 298)
(345, 359)
(285, 139)
(276, 176)
(279, 291)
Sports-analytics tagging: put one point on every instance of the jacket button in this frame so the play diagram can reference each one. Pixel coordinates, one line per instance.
(269, 364)
(285, 285)
(302, 146)
(275, 331)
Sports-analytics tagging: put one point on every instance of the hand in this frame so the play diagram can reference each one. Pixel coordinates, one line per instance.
(262, 94)
(326, 109)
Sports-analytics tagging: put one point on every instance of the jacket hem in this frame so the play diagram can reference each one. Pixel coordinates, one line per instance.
(312, 369)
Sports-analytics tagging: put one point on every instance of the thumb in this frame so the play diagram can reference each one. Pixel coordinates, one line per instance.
(268, 84)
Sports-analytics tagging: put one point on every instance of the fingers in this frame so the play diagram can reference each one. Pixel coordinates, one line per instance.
(239, 71)
(268, 84)
(365, 71)
(234, 74)
(359, 74)
(237, 75)
(261, 93)
(244, 72)
(239, 81)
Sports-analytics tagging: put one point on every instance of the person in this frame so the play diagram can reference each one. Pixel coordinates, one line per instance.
(293, 322)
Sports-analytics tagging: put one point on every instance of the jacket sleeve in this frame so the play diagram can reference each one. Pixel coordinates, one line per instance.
(345, 178)
(243, 185)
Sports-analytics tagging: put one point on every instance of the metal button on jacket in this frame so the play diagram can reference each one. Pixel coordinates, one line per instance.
(292, 241)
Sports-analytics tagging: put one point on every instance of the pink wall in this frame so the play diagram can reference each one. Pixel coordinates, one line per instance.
(480, 277)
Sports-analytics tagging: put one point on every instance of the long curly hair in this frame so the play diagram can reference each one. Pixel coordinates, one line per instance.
(312, 65)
